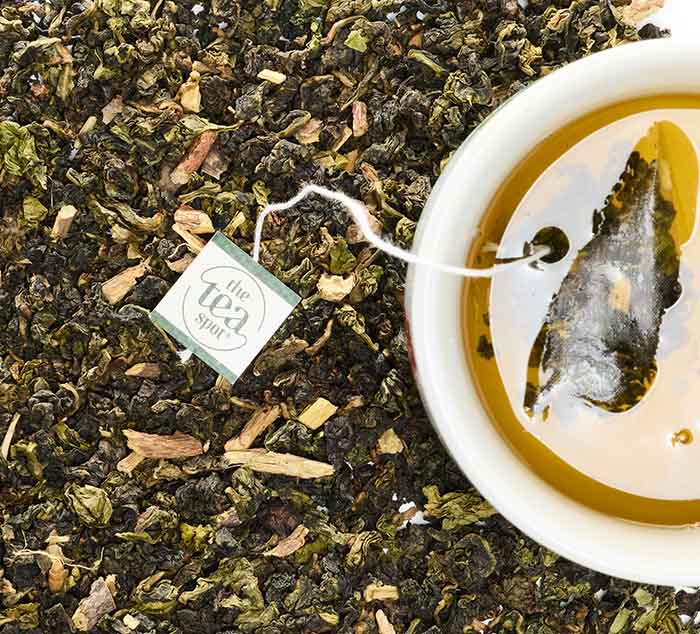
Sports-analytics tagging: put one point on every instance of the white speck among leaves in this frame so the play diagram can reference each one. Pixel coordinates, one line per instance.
(185, 355)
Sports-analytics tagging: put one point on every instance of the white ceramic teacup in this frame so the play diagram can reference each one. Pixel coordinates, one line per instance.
(652, 554)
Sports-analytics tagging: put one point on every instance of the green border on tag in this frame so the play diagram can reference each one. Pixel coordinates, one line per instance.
(192, 345)
(286, 293)
(258, 272)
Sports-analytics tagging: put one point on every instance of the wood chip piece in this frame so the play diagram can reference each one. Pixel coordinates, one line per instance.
(189, 93)
(144, 370)
(118, 287)
(93, 607)
(255, 426)
(112, 109)
(223, 384)
(131, 622)
(193, 220)
(317, 413)
(88, 126)
(389, 442)
(383, 624)
(196, 155)
(7, 440)
(354, 234)
(378, 592)
(359, 118)
(177, 445)
(344, 135)
(637, 10)
(128, 464)
(64, 219)
(272, 76)
(290, 544)
(278, 463)
(335, 288)
(180, 265)
(121, 234)
(309, 133)
(193, 242)
(57, 575)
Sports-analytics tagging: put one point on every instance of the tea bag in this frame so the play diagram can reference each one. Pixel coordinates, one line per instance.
(586, 424)
(600, 336)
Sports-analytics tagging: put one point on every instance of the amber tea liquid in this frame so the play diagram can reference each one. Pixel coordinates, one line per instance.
(639, 464)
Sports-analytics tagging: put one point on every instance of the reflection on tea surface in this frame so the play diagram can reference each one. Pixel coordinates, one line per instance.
(596, 356)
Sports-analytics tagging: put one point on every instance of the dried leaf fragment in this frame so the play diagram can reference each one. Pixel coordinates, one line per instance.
(317, 413)
(64, 219)
(272, 76)
(117, 288)
(93, 607)
(193, 220)
(278, 463)
(130, 462)
(356, 41)
(378, 592)
(390, 443)
(321, 341)
(215, 164)
(177, 445)
(290, 544)
(334, 288)
(383, 624)
(144, 370)
(255, 426)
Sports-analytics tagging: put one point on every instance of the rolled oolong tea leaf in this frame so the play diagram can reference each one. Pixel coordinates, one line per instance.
(600, 337)
(91, 504)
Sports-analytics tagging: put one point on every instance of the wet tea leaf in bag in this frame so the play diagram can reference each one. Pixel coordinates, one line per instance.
(599, 340)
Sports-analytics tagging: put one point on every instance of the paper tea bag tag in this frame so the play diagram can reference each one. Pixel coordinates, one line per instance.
(225, 307)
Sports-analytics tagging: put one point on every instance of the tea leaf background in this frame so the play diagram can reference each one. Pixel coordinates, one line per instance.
(128, 130)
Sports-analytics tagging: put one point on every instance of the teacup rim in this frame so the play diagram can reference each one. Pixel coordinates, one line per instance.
(639, 552)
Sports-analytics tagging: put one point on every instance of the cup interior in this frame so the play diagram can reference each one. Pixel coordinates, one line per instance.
(645, 553)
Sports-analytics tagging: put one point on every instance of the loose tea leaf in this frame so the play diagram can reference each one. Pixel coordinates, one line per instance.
(91, 504)
(158, 121)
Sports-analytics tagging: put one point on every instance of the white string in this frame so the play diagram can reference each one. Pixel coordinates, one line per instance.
(360, 215)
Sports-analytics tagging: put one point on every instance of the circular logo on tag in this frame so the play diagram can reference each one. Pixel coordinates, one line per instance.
(223, 308)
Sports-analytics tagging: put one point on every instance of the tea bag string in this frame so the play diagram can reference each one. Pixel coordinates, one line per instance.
(360, 214)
